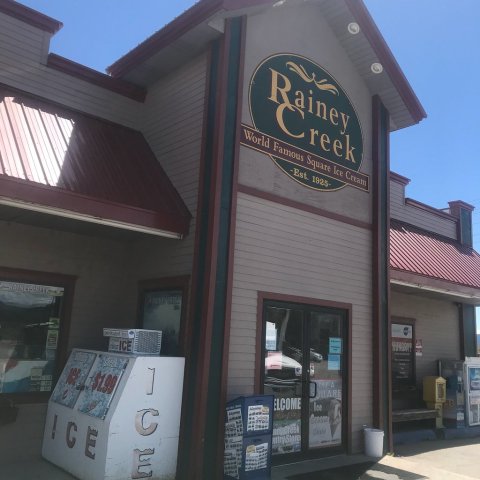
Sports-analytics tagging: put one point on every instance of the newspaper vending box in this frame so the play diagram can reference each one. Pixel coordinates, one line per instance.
(472, 390)
(454, 406)
(248, 437)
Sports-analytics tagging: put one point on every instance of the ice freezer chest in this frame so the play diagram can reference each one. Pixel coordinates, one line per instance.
(115, 416)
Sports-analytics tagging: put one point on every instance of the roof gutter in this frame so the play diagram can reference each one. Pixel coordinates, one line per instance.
(454, 292)
(60, 212)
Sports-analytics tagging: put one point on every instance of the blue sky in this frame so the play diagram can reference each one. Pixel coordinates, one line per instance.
(434, 41)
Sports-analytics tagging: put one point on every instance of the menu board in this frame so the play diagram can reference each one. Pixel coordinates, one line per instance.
(73, 377)
(102, 384)
(403, 351)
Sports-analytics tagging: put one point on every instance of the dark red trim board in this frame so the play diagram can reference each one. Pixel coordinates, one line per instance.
(74, 69)
(30, 16)
(54, 199)
(254, 192)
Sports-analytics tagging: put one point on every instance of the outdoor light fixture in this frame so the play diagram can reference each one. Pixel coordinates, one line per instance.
(353, 28)
(279, 3)
(376, 67)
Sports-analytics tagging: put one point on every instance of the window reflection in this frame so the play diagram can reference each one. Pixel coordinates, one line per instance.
(29, 332)
(162, 310)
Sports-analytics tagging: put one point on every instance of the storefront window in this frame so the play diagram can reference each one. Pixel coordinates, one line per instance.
(403, 354)
(162, 310)
(29, 333)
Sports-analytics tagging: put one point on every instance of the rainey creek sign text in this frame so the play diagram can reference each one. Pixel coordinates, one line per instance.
(305, 122)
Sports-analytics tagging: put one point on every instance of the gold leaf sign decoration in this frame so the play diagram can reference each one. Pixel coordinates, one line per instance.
(302, 73)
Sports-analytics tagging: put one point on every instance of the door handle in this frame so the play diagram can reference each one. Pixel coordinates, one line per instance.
(314, 384)
(298, 389)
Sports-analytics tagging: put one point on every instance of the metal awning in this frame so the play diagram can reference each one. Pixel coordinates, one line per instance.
(69, 164)
(431, 263)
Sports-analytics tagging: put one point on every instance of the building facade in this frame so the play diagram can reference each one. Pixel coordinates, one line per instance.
(228, 183)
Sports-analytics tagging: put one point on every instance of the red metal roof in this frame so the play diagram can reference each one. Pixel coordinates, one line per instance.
(424, 253)
(59, 159)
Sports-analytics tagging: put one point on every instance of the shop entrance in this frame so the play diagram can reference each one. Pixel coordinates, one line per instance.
(305, 370)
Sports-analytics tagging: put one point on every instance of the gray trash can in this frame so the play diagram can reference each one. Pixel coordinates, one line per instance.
(373, 442)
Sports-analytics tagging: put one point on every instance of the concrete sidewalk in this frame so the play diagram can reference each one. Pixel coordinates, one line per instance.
(433, 460)
(440, 459)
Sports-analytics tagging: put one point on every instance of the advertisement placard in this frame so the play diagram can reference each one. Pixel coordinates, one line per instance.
(102, 384)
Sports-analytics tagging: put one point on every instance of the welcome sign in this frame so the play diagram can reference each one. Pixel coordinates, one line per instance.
(306, 123)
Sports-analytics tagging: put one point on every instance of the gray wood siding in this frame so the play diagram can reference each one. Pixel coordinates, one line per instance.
(173, 125)
(436, 323)
(416, 216)
(287, 251)
(100, 299)
(23, 55)
(100, 265)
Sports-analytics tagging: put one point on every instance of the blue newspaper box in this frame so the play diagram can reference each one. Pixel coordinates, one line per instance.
(248, 437)
(255, 413)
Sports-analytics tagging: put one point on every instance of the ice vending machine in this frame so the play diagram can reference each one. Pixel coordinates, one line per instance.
(115, 415)
(472, 389)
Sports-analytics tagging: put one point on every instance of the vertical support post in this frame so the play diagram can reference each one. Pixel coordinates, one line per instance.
(382, 392)
(202, 457)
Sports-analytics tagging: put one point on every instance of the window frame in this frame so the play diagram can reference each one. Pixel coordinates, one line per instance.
(181, 283)
(404, 386)
(67, 282)
(270, 298)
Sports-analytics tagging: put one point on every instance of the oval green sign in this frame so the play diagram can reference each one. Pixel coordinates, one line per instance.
(306, 123)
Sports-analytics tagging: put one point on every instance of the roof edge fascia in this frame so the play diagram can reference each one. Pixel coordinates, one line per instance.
(116, 85)
(424, 283)
(189, 19)
(386, 58)
(57, 201)
(207, 8)
(30, 16)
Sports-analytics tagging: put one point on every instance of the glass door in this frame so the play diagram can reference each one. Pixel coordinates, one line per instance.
(325, 340)
(283, 376)
(305, 370)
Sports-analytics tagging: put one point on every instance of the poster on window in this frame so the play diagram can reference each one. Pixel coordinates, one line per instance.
(102, 385)
(287, 423)
(325, 421)
(403, 352)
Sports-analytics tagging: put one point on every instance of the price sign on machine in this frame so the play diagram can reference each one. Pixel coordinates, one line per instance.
(73, 378)
(101, 386)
